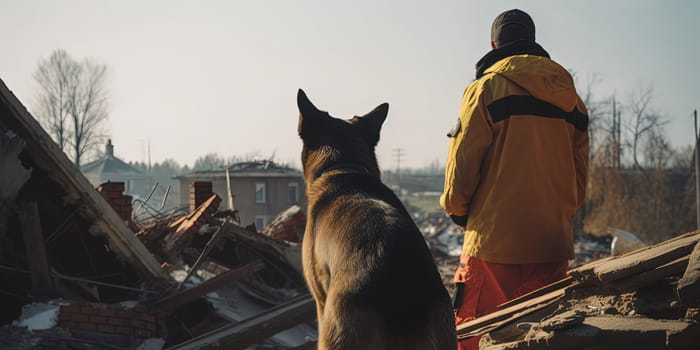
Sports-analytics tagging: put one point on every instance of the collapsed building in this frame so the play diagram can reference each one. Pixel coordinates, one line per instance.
(77, 271)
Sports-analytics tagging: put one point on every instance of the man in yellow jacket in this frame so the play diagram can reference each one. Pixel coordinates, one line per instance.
(515, 171)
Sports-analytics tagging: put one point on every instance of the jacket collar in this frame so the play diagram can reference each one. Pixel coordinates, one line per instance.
(519, 47)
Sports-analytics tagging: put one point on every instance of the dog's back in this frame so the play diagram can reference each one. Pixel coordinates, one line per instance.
(367, 265)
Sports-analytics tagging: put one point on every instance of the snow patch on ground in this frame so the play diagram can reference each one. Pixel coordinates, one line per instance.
(128, 305)
(38, 316)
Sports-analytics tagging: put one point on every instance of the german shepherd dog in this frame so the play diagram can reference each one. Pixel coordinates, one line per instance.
(366, 263)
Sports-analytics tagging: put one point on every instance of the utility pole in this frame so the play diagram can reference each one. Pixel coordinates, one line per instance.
(150, 171)
(398, 154)
(228, 188)
(697, 170)
(619, 138)
(614, 132)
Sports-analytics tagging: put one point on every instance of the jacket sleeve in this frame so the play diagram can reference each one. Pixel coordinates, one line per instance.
(581, 149)
(468, 143)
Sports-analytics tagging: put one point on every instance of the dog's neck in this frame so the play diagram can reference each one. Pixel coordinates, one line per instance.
(343, 166)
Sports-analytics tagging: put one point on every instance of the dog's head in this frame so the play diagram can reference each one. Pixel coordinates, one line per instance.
(331, 141)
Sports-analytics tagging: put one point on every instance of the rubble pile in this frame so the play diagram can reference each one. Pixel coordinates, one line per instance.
(92, 277)
(646, 299)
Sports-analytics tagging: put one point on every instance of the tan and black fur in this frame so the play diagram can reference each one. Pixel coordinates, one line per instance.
(366, 263)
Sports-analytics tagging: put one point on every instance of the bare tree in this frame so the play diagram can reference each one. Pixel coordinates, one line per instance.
(53, 77)
(72, 102)
(88, 108)
(644, 121)
(597, 109)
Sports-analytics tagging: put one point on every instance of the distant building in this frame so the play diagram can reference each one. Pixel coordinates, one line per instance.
(260, 189)
(111, 168)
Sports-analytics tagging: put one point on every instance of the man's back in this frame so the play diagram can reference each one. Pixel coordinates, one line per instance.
(530, 181)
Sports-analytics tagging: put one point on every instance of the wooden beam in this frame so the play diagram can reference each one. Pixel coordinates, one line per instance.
(286, 253)
(648, 258)
(207, 248)
(176, 238)
(674, 268)
(495, 320)
(617, 267)
(180, 298)
(566, 282)
(35, 248)
(257, 328)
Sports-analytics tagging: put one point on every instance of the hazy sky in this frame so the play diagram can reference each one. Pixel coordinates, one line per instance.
(221, 76)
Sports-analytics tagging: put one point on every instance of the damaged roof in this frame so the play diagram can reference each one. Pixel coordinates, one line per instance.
(46, 157)
(109, 164)
(258, 168)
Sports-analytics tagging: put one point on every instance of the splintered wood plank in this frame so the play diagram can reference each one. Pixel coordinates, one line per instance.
(176, 239)
(35, 247)
(257, 328)
(586, 273)
(563, 283)
(647, 258)
(180, 298)
(674, 268)
(495, 320)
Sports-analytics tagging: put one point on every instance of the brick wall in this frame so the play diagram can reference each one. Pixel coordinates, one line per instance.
(109, 320)
(113, 193)
(200, 191)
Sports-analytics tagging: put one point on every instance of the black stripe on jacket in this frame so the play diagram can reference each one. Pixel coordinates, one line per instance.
(505, 107)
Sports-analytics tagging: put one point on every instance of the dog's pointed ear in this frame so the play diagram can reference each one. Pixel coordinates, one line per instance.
(371, 123)
(309, 116)
(304, 104)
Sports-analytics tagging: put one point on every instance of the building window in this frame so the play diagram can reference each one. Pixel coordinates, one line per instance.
(260, 222)
(259, 193)
(293, 190)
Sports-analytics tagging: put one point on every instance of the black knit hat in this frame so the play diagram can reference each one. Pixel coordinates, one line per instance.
(512, 25)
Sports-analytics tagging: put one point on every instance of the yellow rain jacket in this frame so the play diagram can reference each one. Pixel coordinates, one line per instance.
(517, 162)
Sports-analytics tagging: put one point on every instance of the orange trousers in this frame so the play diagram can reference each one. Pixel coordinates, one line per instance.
(482, 286)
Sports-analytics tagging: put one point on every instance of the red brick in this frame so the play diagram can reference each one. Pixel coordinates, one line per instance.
(118, 321)
(138, 324)
(148, 317)
(86, 326)
(108, 312)
(89, 310)
(98, 319)
(80, 318)
(64, 316)
(105, 328)
(113, 186)
(125, 314)
(151, 326)
(70, 308)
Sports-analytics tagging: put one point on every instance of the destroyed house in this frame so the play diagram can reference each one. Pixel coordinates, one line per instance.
(58, 235)
(260, 189)
(73, 275)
